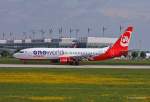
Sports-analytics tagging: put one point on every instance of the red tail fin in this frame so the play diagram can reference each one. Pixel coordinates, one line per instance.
(123, 42)
(119, 48)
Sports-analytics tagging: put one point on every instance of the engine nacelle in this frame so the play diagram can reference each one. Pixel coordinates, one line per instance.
(65, 60)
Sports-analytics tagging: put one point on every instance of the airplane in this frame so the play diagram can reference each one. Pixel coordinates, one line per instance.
(74, 56)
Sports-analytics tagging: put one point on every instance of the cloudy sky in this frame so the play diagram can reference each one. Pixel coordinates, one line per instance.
(19, 16)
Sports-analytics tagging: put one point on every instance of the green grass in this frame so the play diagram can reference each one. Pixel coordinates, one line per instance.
(17, 61)
(107, 62)
(119, 62)
(74, 85)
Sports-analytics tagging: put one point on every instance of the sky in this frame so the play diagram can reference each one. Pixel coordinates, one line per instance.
(20, 16)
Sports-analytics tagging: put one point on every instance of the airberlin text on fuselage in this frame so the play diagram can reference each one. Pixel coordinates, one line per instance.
(40, 52)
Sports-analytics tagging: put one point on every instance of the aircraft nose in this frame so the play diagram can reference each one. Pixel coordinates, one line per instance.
(15, 55)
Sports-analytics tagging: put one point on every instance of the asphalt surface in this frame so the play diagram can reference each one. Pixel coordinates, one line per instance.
(71, 66)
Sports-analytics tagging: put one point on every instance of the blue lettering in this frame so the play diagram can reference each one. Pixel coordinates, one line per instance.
(44, 52)
(58, 52)
(35, 52)
(39, 52)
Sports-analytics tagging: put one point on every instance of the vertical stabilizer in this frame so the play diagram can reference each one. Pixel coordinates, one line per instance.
(119, 48)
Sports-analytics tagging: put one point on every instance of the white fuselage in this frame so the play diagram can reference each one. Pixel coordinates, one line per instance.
(56, 53)
(74, 55)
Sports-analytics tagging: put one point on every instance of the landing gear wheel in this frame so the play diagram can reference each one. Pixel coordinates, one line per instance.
(76, 63)
(71, 63)
(24, 61)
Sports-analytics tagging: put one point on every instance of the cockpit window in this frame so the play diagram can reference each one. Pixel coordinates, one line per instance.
(21, 51)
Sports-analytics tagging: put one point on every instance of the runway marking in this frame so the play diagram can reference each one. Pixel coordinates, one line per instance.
(70, 66)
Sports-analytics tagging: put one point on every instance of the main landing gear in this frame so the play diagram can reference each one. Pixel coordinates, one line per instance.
(74, 62)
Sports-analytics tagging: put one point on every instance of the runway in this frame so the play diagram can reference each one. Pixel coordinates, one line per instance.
(70, 66)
